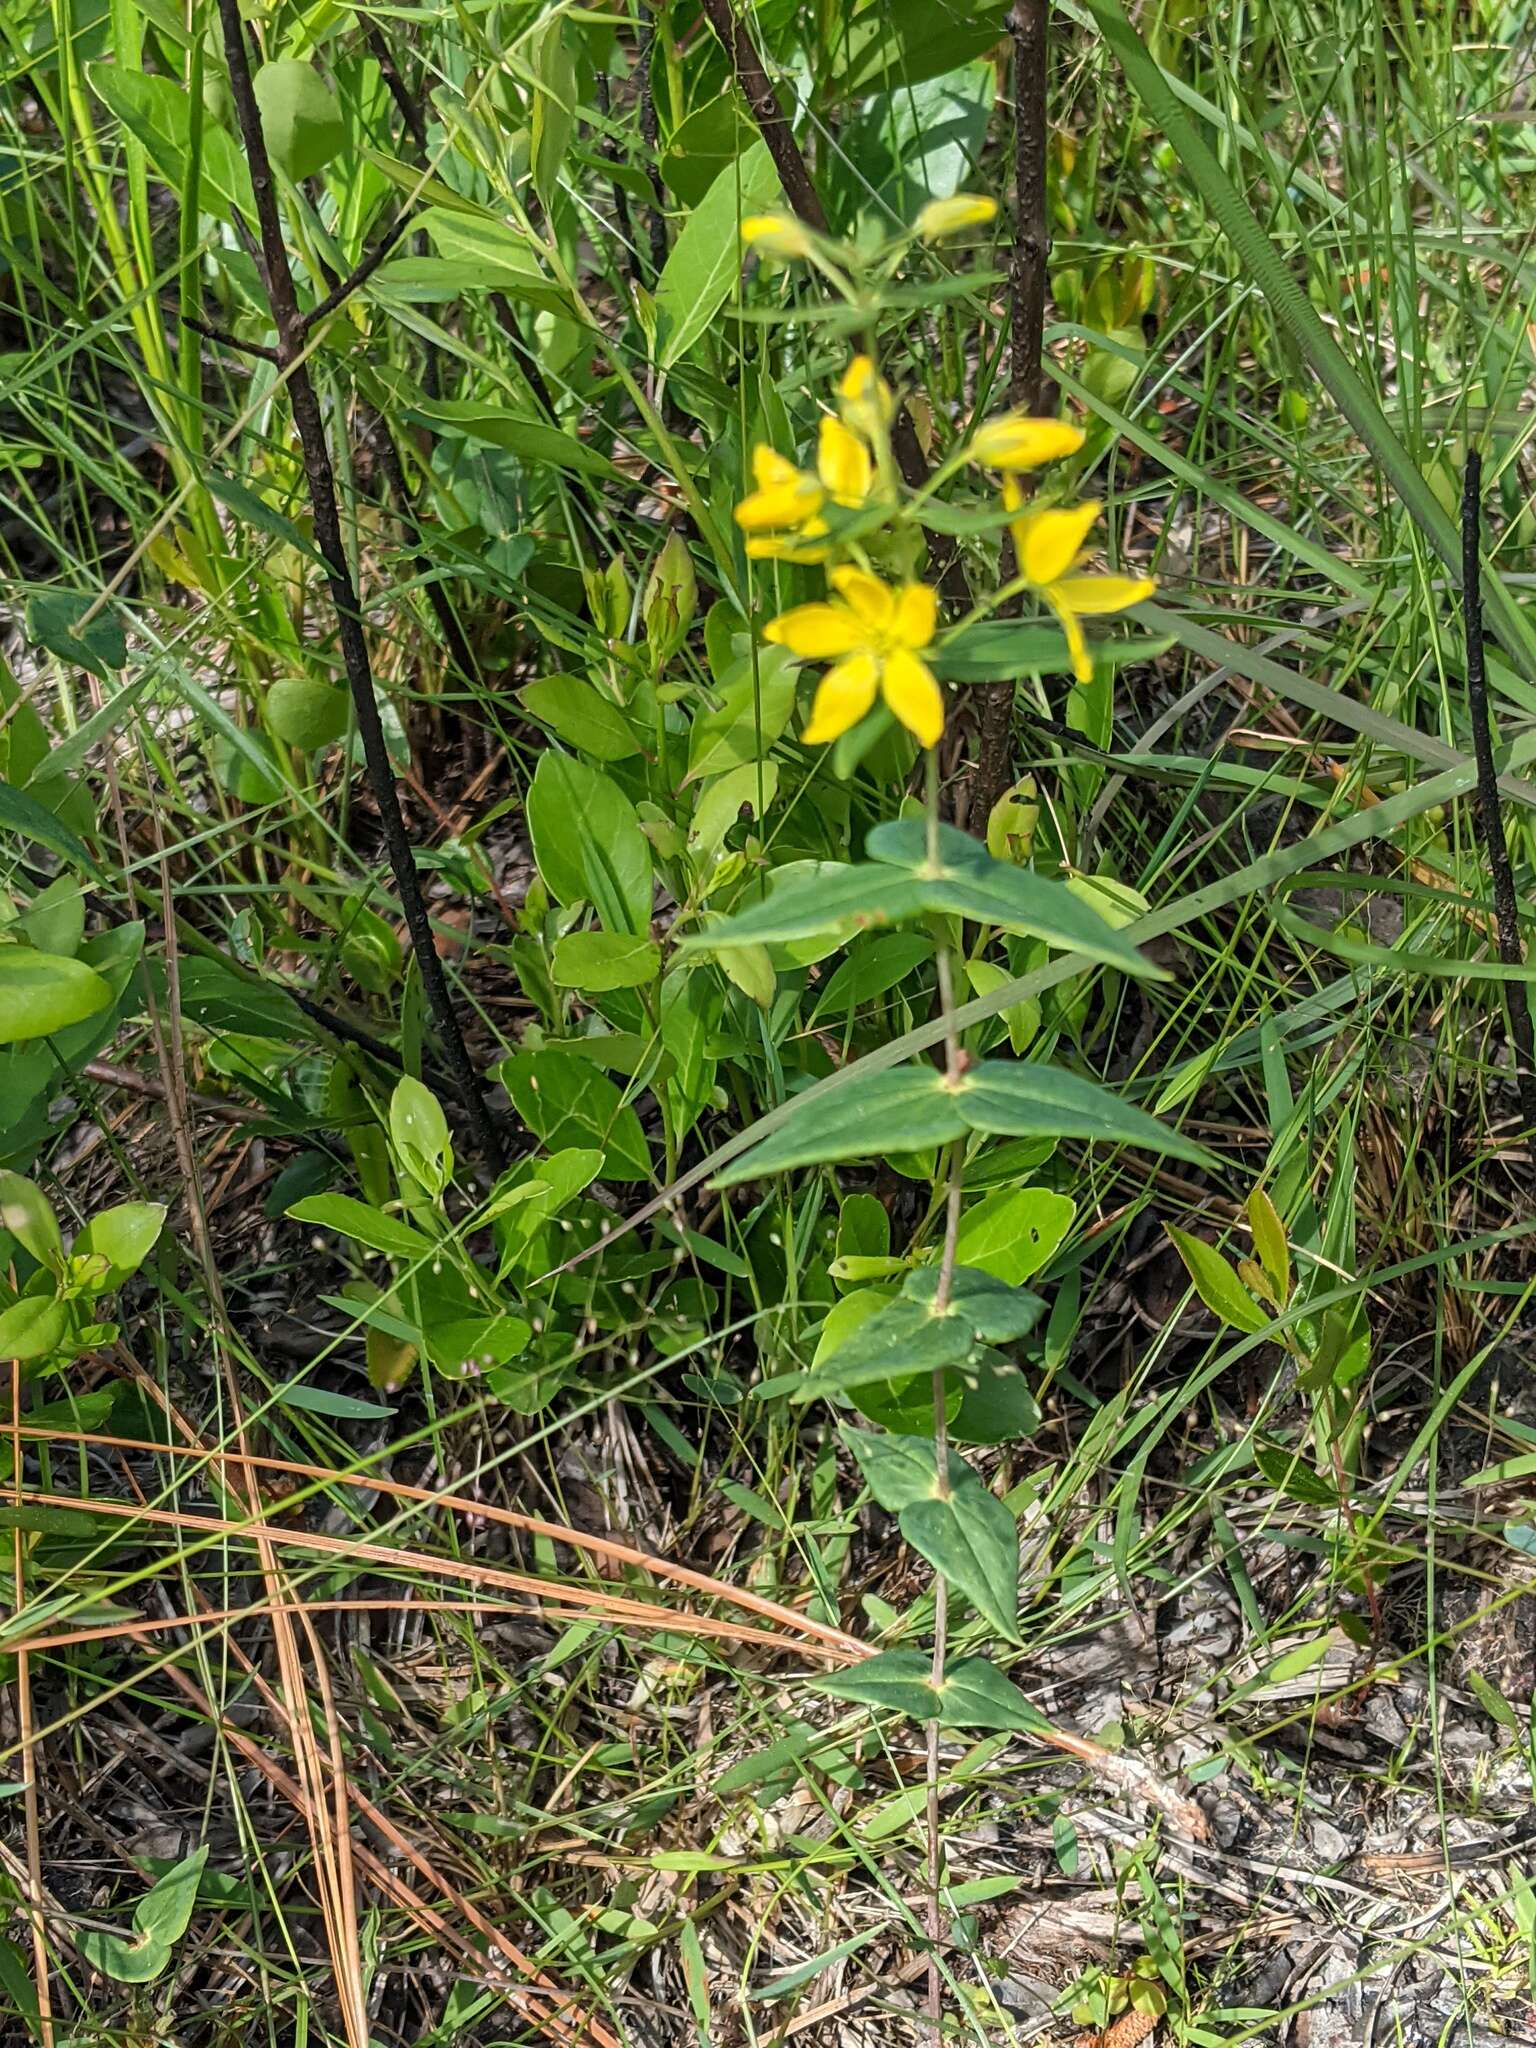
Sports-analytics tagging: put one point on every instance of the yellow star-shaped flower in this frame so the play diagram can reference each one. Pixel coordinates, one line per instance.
(1049, 545)
(875, 635)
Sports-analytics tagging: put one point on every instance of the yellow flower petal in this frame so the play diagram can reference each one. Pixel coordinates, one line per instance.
(843, 696)
(770, 468)
(917, 614)
(867, 403)
(1048, 540)
(788, 547)
(869, 598)
(948, 216)
(908, 687)
(780, 505)
(1093, 596)
(843, 463)
(775, 234)
(816, 632)
(1014, 442)
(1077, 644)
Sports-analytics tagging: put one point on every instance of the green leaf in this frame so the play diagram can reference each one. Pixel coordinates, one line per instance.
(703, 145)
(903, 1109)
(474, 253)
(1024, 1101)
(901, 1470)
(32, 1327)
(321, 1401)
(970, 883)
(306, 714)
(581, 716)
(588, 843)
(534, 442)
(40, 993)
(27, 1213)
(55, 618)
(989, 1310)
(1269, 1242)
(975, 1694)
(597, 961)
(894, 1681)
(420, 1134)
(904, 42)
(970, 1537)
(835, 898)
(22, 814)
(165, 1912)
(996, 1404)
(569, 1103)
(903, 1338)
(706, 258)
(124, 1236)
(1218, 1285)
(157, 112)
(1013, 1232)
(300, 121)
(554, 108)
(365, 1225)
(752, 709)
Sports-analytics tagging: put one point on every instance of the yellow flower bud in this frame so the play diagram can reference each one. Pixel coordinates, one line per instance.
(865, 399)
(775, 234)
(1014, 442)
(949, 216)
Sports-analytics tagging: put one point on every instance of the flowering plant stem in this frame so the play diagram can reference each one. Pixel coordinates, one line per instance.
(955, 1181)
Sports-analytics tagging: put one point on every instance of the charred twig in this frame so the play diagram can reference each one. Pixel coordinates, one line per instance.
(608, 150)
(228, 340)
(650, 135)
(360, 273)
(320, 475)
(1506, 916)
(1031, 232)
(757, 89)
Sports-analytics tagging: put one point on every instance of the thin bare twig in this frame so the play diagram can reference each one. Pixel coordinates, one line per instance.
(1511, 952)
(359, 275)
(757, 88)
(290, 323)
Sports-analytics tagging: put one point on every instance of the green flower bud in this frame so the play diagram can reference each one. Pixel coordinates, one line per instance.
(671, 599)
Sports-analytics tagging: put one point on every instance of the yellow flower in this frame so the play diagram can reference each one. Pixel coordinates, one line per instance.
(1049, 545)
(948, 216)
(784, 513)
(874, 635)
(1012, 441)
(775, 234)
(865, 399)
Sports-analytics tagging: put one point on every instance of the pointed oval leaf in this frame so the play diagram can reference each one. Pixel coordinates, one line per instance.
(1027, 1101)
(971, 1538)
(41, 993)
(899, 1681)
(902, 1109)
(968, 882)
(1217, 1285)
(845, 900)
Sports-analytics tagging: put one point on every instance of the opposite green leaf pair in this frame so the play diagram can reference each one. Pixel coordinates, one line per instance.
(907, 1109)
(965, 1532)
(900, 882)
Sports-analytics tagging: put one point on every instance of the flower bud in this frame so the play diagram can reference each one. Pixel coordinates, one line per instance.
(949, 216)
(671, 599)
(776, 234)
(1012, 441)
(608, 598)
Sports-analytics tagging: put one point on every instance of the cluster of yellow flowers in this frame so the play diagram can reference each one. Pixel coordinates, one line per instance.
(875, 634)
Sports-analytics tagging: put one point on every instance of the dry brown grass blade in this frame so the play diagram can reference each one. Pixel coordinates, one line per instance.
(506, 1518)
(615, 1607)
(656, 1617)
